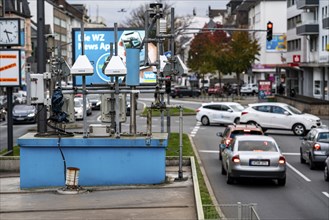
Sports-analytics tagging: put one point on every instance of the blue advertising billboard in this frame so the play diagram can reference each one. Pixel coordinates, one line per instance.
(277, 44)
(97, 48)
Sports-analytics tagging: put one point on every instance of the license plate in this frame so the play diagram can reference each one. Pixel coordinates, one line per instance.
(259, 162)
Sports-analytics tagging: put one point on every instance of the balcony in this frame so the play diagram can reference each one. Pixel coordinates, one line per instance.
(325, 23)
(307, 29)
(306, 4)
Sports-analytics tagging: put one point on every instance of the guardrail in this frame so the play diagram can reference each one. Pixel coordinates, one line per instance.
(237, 211)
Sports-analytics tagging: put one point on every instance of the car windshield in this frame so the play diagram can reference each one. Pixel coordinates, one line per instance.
(23, 107)
(293, 110)
(237, 108)
(77, 103)
(243, 132)
(249, 145)
(323, 137)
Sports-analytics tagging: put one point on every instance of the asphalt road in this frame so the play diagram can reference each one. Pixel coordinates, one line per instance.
(305, 195)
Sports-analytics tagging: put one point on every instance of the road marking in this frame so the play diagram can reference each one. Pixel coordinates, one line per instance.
(326, 194)
(209, 151)
(293, 154)
(299, 173)
(195, 129)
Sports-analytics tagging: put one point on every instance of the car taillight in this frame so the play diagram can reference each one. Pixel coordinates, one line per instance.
(244, 113)
(227, 141)
(282, 160)
(236, 159)
(317, 146)
(197, 110)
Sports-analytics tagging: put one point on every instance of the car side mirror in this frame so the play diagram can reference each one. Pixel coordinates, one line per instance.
(229, 110)
(286, 113)
(219, 134)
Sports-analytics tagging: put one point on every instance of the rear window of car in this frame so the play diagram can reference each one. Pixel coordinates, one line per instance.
(267, 146)
(243, 132)
(323, 137)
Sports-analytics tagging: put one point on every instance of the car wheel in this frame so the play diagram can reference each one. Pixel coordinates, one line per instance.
(326, 176)
(299, 129)
(205, 120)
(229, 178)
(311, 163)
(223, 170)
(237, 121)
(282, 181)
(302, 160)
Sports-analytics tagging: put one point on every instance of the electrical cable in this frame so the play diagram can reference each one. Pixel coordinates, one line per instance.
(63, 157)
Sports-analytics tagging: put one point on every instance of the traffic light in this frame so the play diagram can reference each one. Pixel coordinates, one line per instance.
(269, 31)
(168, 84)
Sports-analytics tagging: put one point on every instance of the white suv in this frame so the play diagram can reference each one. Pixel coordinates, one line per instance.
(279, 116)
(249, 89)
(219, 112)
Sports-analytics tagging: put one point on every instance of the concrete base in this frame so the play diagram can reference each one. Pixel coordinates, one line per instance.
(9, 163)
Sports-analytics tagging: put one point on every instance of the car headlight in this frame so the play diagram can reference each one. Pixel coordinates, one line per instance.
(31, 115)
(98, 103)
(310, 120)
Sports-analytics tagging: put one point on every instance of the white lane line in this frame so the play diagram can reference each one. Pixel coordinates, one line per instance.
(293, 154)
(209, 151)
(326, 194)
(299, 173)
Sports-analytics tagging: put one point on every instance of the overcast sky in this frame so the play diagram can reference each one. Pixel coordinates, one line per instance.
(110, 9)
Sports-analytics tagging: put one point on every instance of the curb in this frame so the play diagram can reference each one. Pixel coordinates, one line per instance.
(206, 180)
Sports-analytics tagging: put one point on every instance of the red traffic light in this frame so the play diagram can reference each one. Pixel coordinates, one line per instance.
(269, 25)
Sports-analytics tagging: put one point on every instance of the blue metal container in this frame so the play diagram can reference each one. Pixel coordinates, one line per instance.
(102, 161)
(132, 64)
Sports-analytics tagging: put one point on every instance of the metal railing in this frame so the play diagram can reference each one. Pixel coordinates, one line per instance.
(237, 211)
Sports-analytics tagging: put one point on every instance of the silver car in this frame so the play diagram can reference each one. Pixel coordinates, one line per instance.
(254, 156)
(314, 148)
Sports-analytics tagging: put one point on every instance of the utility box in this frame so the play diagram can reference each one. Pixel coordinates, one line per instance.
(68, 107)
(37, 88)
(106, 107)
(99, 130)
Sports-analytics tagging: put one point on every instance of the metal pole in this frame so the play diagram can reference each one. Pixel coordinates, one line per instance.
(10, 119)
(116, 84)
(41, 64)
(180, 171)
(132, 129)
(84, 98)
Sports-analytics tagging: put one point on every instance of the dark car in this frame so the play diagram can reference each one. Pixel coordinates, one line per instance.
(233, 130)
(314, 148)
(181, 91)
(95, 100)
(23, 113)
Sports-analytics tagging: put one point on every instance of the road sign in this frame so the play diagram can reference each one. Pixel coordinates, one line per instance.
(10, 68)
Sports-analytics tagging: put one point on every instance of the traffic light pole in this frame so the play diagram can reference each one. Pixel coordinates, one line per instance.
(41, 65)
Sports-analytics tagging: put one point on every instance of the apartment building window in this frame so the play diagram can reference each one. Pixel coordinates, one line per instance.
(294, 45)
(313, 44)
(290, 3)
(292, 22)
(324, 42)
(317, 87)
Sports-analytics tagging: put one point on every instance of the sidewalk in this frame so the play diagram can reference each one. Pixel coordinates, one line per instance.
(171, 200)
